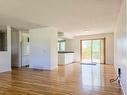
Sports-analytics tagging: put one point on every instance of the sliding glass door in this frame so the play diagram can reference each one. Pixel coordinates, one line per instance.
(92, 51)
(86, 51)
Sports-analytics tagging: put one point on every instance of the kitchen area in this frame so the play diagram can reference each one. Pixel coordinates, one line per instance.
(65, 52)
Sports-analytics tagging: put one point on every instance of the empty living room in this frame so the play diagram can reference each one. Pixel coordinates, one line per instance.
(63, 47)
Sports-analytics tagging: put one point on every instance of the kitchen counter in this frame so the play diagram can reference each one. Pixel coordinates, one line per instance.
(65, 57)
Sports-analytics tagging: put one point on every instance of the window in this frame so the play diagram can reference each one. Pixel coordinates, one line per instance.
(3, 40)
(61, 45)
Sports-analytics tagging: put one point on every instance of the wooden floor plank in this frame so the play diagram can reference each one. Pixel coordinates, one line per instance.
(73, 79)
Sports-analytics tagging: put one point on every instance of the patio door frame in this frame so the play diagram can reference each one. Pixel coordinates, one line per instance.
(91, 48)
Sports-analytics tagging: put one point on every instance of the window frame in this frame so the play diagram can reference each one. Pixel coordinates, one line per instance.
(60, 45)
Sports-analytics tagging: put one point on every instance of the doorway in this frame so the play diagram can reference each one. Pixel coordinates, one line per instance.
(93, 51)
(25, 49)
(19, 48)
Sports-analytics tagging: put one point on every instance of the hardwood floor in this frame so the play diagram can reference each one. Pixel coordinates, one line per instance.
(73, 79)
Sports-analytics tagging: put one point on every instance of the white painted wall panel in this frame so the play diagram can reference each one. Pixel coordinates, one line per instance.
(43, 48)
(5, 56)
(120, 52)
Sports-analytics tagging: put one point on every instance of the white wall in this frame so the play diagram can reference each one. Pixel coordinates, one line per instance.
(53, 49)
(68, 45)
(5, 56)
(43, 48)
(120, 39)
(74, 45)
(15, 46)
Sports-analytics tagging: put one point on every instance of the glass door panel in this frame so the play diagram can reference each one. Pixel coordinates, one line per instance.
(86, 51)
(96, 51)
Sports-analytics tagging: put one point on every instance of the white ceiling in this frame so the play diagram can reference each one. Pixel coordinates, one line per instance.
(70, 16)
